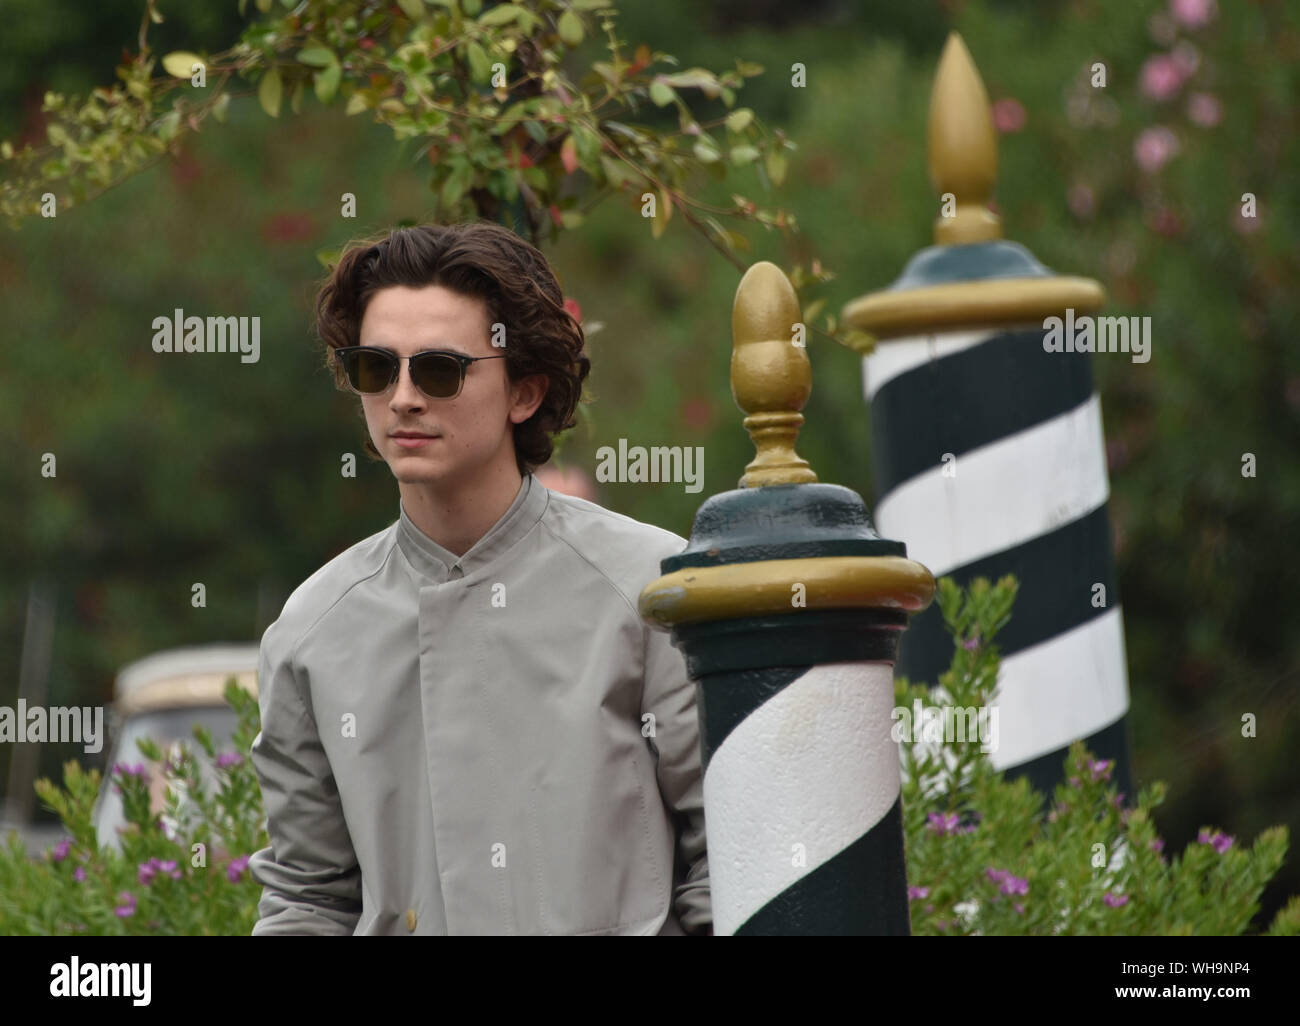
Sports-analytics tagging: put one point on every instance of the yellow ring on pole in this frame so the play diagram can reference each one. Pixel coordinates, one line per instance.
(767, 586)
(971, 304)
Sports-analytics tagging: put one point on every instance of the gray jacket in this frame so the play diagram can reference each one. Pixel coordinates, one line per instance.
(489, 744)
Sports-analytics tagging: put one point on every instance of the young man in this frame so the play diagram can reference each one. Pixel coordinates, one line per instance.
(466, 726)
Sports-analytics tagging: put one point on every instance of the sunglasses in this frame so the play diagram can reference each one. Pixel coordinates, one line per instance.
(438, 374)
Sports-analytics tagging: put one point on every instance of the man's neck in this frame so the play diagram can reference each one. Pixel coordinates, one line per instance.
(457, 519)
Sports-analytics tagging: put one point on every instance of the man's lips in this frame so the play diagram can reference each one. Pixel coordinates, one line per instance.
(412, 439)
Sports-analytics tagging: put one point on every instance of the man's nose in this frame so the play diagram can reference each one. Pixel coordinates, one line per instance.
(405, 394)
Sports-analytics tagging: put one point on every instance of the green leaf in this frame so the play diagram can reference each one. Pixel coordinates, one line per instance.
(616, 172)
(264, 6)
(696, 78)
(327, 83)
(590, 5)
(357, 102)
(220, 106)
(480, 66)
(169, 125)
(742, 155)
(471, 7)
(413, 9)
(739, 120)
(571, 218)
(317, 57)
(661, 94)
(269, 92)
(180, 63)
(775, 165)
(502, 14)
(706, 150)
(456, 185)
(570, 28)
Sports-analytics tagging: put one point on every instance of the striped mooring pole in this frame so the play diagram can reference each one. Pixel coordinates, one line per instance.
(788, 608)
(989, 456)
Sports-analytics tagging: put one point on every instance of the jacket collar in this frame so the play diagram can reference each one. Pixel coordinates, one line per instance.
(440, 564)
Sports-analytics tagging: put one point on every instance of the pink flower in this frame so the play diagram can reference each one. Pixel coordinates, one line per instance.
(1115, 900)
(1100, 768)
(1157, 845)
(236, 868)
(1154, 148)
(79, 874)
(1204, 109)
(1219, 841)
(574, 309)
(127, 908)
(1081, 200)
(942, 823)
(1010, 884)
(1162, 77)
(971, 644)
(146, 873)
(1193, 13)
(229, 759)
(913, 893)
(61, 849)
(1009, 115)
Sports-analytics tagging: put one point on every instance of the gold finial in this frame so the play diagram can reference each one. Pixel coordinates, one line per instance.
(963, 148)
(771, 377)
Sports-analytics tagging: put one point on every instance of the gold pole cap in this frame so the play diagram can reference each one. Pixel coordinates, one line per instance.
(771, 378)
(963, 151)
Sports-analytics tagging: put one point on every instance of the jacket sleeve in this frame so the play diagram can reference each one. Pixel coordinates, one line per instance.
(669, 695)
(311, 883)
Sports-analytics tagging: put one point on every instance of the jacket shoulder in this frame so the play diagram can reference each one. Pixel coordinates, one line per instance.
(328, 586)
(626, 551)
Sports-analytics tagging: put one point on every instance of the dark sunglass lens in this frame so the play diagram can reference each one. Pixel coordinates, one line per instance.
(436, 375)
(369, 372)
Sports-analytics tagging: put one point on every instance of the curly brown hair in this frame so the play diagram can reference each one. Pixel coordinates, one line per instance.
(481, 260)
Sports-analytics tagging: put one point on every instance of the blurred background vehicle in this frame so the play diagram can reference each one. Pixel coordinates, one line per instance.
(162, 697)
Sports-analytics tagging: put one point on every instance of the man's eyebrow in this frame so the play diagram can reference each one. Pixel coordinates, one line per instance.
(443, 347)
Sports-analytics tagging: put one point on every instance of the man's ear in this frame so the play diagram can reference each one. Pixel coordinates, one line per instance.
(528, 395)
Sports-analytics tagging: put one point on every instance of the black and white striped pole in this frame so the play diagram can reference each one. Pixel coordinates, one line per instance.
(788, 608)
(989, 456)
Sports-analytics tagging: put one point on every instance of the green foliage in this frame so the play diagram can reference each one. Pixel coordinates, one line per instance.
(982, 858)
(503, 126)
(180, 872)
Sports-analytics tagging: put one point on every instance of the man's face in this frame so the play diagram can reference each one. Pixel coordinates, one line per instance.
(460, 438)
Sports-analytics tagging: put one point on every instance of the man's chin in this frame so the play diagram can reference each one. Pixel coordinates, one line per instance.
(411, 470)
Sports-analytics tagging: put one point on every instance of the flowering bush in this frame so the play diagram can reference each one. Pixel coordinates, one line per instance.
(983, 858)
(181, 872)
